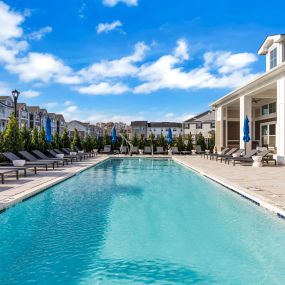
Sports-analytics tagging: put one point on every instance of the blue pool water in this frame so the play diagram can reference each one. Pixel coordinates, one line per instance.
(141, 221)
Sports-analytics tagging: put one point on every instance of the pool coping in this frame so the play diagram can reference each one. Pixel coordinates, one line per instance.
(235, 189)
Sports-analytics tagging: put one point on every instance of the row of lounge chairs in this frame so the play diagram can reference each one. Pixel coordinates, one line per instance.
(236, 155)
(38, 159)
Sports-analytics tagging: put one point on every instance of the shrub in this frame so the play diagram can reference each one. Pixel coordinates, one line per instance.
(76, 142)
(142, 142)
(56, 140)
(43, 145)
(87, 143)
(65, 140)
(25, 138)
(201, 141)
(135, 140)
(161, 140)
(11, 136)
(189, 145)
(180, 143)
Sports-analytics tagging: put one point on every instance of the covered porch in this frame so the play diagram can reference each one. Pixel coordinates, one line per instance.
(263, 102)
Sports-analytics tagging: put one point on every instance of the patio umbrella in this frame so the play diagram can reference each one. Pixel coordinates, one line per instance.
(169, 136)
(48, 130)
(114, 135)
(246, 137)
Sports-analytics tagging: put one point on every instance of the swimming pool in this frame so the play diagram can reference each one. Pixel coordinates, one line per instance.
(140, 221)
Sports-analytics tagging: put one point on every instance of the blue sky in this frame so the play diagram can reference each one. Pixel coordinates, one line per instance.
(101, 60)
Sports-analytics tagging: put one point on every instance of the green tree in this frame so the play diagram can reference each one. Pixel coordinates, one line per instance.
(180, 143)
(65, 140)
(43, 145)
(161, 140)
(35, 138)
(25, 138)
(152, 139)
(87, 143)
(76, 141)
(189, 145)
(56, 140)
(135, 140)
(212, 140)
(105, 138)
(200, 140)
(142, 142)
(95, 143)
(11, 136)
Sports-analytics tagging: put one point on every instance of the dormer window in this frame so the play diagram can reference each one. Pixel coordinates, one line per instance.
(273, 58)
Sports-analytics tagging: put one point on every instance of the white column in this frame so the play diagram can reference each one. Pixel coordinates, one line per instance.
(219, 128)
(245, 110)
(280, 128)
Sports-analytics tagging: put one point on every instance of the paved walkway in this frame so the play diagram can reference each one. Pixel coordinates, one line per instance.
(14, 191)
(266, 185)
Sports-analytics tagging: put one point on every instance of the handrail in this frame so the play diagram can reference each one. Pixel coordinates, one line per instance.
(128, 142)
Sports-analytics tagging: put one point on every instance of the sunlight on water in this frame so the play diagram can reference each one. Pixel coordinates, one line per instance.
(140, 221)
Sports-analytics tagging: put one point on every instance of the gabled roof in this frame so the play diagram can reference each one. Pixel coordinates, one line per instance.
(5, 97)
(269, 41)
(33, 109)
(204, 117)
(21, 105)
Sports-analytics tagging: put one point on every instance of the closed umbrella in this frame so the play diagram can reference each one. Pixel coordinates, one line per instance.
(169, 136)
(246, 137)
(48, 130)
(114, 135)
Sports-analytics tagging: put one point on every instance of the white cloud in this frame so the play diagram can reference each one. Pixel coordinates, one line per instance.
(108, 27)
(122, 67)
(30, 93)
(181, 50)
(50, 104)
(112, 3)
(169, 115)
(67, 103)
(105, 117)
(38, 35)
(104, 88)
(4, 89)
(10, 23)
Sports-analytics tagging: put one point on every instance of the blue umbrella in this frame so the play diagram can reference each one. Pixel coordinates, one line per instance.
(169, 136)
(246, 137)
(114, 135)
(48, 130)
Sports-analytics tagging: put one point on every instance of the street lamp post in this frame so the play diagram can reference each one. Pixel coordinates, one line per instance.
(15, 95)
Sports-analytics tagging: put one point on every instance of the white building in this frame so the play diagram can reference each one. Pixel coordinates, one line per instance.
(261, 100)
(202, 123)
(162, 127)
(6, 109)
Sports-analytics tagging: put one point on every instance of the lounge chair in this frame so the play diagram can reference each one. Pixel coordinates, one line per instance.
(83, 152)
(134, 150)
(212, 155)
(5, 171)
(238, 153)
(228, 153)
(199, 150)
(68, 151)
(44, 157)
(32, 158)
(147, 150)
(107, 149)
(160, 150)
(70, 158)
(67, 155)
(11, 156)
(124, 149)
(246, 158)
(175, 150)
(184, 152)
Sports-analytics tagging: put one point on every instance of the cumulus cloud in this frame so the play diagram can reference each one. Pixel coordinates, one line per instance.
(104, 88)
(112, 3)
(122, 67)
(38, 35)
(30, 93)
(108, 27)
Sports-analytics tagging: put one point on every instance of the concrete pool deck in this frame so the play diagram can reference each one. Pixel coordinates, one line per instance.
(265, 185)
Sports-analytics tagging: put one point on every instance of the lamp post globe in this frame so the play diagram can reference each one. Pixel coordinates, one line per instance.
(15, 95)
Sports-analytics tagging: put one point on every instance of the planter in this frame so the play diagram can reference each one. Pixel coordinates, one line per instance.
(235, 155)
(207, 151)
(257, 161)
(73, 153)
(141, 151)
(193, 151)
(81, 151)
(60, 155)
(19, 162)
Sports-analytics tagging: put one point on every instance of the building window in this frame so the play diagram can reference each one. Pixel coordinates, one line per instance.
(212, 125)
(199, 126)
(273, 58)
(268, 109)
